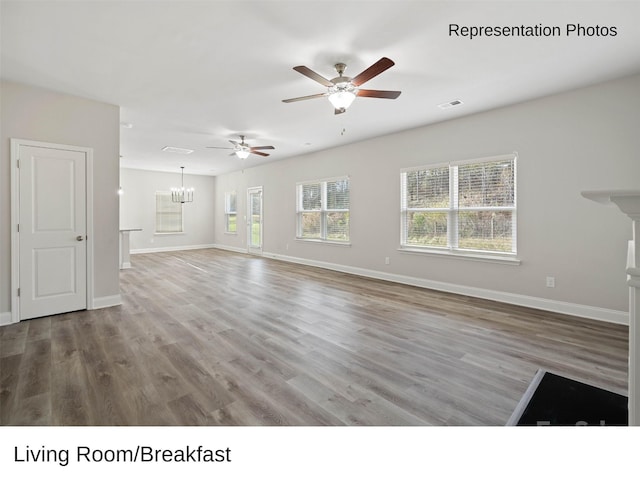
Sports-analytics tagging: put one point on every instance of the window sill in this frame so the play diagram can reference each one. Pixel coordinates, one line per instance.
(231, 233)
(323, 242)
(168, 233)
(507, 259)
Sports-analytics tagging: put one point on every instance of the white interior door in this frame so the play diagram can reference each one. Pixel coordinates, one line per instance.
(52, 231)
(254, 222)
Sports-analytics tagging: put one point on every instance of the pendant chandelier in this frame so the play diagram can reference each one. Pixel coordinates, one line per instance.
(181, 194)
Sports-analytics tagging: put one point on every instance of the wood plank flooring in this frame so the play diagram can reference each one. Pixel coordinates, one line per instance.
(209, 337)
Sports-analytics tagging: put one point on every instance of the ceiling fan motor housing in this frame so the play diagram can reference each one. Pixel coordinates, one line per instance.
(342, 84)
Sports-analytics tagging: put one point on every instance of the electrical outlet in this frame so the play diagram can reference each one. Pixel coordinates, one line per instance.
(386, 260)
(551, 282)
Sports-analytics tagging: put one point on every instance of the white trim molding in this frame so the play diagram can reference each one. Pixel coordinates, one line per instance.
(584, 311)
(6, 319)
(507, 259)
(106, 302)
(230, 248)
(175, 248)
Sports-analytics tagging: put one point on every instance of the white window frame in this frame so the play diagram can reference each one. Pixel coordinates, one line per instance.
(452, 214)
(161, 232)
(324, 211)
(228, 212)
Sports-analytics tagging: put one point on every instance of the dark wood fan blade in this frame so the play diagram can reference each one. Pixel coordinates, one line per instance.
(306, 71)
(234, 142)
(308, 97)
(338, 111)
(262, 154)
(266, 147)
(379, 93)
(375, 69)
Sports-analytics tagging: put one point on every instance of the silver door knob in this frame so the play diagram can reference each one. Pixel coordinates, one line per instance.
(79, 238)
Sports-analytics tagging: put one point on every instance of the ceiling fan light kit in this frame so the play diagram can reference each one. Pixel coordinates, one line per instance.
(342, 97)
(342, 93)
(242, 153)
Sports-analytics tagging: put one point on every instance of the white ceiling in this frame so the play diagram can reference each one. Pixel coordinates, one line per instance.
(196, 74)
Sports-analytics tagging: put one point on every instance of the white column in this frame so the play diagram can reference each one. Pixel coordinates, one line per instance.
(628, 201)
(633, 280)
(125, 261)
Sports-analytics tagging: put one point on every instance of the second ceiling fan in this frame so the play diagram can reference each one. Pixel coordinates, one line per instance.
(243, 150)
(343, 90)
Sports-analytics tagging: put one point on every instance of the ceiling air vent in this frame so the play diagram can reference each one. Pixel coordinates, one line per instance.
(452, 103)
(183, 151)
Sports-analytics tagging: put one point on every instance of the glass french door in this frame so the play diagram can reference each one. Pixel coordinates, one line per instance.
(254, 220)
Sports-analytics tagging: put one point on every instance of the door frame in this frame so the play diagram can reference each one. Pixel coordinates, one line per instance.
(250, 249)
(16, 143)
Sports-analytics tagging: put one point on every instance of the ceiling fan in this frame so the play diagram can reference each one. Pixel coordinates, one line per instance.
(343, 90)
(242, 150)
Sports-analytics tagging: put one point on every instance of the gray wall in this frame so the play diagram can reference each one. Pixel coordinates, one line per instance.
(585, 139)
(580, 140)
(36, 114)
(138, 209)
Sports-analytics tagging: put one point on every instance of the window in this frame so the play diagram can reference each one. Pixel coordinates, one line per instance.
(323, 210)
(463, 206)
(230, 214)
(168, 214)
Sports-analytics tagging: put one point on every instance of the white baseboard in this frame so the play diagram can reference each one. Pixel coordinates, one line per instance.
(105, 302)
(584, 311)
(100, 302)
(171, 249)
(230, 249)
(5, 318)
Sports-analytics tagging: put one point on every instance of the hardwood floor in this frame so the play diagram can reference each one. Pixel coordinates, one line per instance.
(209, 337)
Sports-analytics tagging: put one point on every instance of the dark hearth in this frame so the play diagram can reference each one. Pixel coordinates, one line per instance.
(555, 400)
